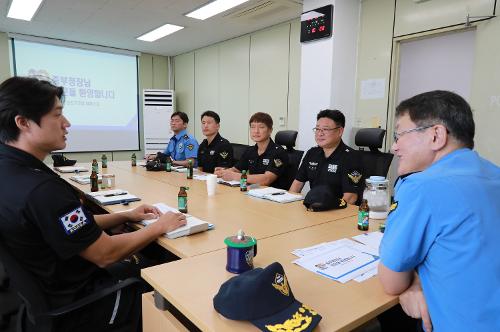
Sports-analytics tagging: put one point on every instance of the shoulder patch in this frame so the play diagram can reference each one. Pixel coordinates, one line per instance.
(354, 176)
(74, 220)
(393, 207)
(190, 147)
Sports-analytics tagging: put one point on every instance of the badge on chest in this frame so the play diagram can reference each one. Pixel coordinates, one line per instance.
(332, 168)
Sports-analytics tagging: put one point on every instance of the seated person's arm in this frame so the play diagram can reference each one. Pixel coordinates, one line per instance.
(414, 305)
(110, 249)
(228, 174)
(265, 179)
(142, 212)
(296, 186)
(394, 283)
(184, 163)
(350, 198)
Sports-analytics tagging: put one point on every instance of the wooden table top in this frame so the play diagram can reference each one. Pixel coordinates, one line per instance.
(229, 210)
(190, 284)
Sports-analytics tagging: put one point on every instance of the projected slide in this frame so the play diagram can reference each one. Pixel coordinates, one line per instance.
(100, 93)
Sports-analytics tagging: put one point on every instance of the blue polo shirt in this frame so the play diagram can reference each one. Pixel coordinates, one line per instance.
(446, 225)
(182, 146)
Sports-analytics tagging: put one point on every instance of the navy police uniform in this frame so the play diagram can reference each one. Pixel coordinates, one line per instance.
(274, 159)
(341, 170)
(45, 226)
(182, 146)
(219, 153)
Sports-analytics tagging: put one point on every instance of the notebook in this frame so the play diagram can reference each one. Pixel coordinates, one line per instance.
(110, 197)
(193, 224)
(275, 195)
(84, 179)
(71, 169)
(232, 183)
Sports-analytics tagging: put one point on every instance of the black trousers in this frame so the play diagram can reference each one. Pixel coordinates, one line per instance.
(120, 311)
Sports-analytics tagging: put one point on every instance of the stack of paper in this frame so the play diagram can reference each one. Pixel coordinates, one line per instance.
(71, 169)
(109, 197)
(84, 179)
(276, 195)
(232, 183)
(341, 260)
(193, 224)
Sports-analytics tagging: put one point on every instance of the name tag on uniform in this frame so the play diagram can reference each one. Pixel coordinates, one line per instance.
(265, 162)
(180, 146)
(212, 152)
(332, 168)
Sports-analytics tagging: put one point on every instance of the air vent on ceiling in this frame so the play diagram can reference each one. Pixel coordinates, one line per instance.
(265, 8)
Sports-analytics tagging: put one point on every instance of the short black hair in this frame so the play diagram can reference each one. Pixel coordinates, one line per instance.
(335, 115)
(29, 97)
(443, 107)
(211, 114)
(184, 117)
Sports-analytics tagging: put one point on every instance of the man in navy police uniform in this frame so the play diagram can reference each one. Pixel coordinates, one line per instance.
(44, 225)
(215, 152)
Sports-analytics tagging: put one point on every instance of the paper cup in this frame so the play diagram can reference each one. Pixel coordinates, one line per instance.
(211, 184)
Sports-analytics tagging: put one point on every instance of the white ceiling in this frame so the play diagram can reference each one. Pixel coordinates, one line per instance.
(117, 23)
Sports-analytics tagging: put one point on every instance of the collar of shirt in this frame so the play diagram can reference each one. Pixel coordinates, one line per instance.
(338, 150)
(214, 141)
(269, 147)
(23, 157)
(180, 135)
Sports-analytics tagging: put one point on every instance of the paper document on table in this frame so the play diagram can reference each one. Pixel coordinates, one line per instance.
(340, 264)
(368, 274)
(371, 239)
(110, 197)
(232, 183)
(84, 179)
(71, 169)
(193, 224)
(275, 195)
(318, 248)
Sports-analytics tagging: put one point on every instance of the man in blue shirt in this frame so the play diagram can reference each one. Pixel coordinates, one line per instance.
(440, 248)
(182, 146)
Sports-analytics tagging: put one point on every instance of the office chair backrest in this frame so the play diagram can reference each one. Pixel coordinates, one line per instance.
(27, 288)
(287, 139)
(374, 161)
(238, 150)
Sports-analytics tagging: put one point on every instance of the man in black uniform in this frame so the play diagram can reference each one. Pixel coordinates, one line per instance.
(215, 152)
(43, 223)
(331, 162)
(266, 161)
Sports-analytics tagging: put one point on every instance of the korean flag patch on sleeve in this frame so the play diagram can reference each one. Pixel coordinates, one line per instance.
(74, 220)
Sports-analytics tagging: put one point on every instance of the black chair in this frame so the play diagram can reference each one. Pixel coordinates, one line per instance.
(287, 139)
(374, 161)
(35, 314)
(238, 150)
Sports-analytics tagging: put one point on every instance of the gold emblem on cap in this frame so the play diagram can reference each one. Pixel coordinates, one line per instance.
(300, 321)
(278, 162)
(354, 176)
(281, 284)
(224, 154)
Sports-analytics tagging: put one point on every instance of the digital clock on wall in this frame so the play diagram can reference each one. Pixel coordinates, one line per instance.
(316, 24)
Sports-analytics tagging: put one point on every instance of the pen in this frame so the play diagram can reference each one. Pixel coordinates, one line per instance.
(280, 193)
(117, 194)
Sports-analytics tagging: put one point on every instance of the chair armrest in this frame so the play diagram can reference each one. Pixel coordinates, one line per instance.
(91, 298)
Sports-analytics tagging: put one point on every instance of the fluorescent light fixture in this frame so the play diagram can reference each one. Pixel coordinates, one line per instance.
(160, 32)
(214, 8)
(23, 9)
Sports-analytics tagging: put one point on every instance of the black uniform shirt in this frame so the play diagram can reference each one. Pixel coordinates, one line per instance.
(219, 153)
(274, 159)
(45, 227)
(341, 170)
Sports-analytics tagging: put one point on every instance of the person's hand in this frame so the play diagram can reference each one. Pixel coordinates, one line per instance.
(150, 157)
(414, 305)
(229, 175)
(170, 221)
(143, 212)
(219, 171)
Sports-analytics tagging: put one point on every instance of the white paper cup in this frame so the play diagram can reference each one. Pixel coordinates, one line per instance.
(211, 184)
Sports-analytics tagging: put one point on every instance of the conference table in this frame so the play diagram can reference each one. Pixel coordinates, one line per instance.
(189, 284)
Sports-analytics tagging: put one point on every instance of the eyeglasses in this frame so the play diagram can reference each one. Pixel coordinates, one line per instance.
(397, 136)
(324, 130)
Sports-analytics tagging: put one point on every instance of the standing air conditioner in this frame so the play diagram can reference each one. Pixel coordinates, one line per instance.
(158, 106)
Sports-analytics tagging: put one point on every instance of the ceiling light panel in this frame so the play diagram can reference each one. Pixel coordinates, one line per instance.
(213, 8)
(23, 9)
(160, 32)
